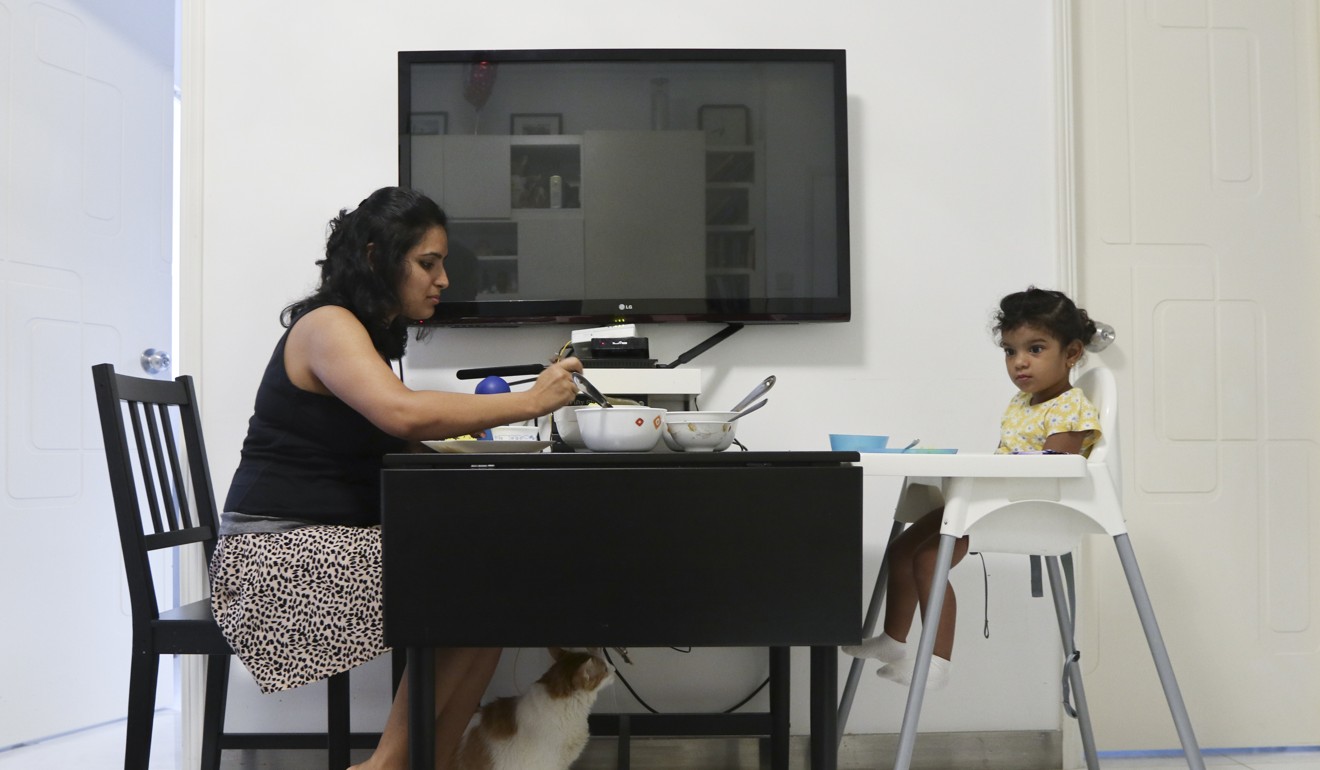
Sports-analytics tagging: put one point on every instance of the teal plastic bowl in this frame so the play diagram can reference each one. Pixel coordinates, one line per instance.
(851, 442)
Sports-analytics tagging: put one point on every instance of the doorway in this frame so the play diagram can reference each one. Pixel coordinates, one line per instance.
(1197, 239)
(87, 92)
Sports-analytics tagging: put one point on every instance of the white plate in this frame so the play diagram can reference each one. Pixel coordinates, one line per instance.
(486, 447)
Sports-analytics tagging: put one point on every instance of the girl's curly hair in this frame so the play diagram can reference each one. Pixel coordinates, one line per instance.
(364, 263)
(1050, 310)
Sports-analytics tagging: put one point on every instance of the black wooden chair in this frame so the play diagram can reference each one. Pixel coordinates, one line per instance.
(148, 466)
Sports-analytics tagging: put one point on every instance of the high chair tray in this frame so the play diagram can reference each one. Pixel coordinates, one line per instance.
(974, 465)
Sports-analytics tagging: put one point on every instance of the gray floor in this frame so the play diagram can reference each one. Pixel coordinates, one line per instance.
(102, 749)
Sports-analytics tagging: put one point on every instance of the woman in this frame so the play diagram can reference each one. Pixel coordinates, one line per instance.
(296, 575)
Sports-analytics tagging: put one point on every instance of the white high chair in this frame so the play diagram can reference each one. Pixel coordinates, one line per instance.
(1030, 504)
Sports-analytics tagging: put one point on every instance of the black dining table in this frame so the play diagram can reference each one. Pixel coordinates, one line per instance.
(658, 549)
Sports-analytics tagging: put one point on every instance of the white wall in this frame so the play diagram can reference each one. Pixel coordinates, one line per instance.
(953, 179)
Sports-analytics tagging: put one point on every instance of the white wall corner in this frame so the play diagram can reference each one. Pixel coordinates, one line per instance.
(193, 584)
(1065, 184)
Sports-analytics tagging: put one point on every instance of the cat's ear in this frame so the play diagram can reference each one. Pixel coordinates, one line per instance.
(596, 652)
(591, 674)
(556, 653)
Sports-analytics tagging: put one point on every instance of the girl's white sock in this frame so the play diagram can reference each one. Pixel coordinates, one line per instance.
(901, 672)
(883, 647)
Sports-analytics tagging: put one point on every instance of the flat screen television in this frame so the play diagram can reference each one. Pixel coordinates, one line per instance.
(623, 186)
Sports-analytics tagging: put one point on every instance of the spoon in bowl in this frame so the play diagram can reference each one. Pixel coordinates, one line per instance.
(590, 391)
(748, 410)
(758, 391)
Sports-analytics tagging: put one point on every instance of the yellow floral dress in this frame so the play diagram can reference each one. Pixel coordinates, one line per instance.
(1025, 426)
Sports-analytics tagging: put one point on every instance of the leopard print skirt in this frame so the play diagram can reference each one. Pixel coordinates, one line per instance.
(299, 606)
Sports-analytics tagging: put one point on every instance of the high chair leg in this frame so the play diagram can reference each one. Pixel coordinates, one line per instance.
(929, 625)
(1068, 635)
(1157, 650)
(868, 630)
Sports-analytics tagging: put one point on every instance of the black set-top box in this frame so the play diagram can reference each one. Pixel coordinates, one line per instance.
(619, 347)
(627, 352)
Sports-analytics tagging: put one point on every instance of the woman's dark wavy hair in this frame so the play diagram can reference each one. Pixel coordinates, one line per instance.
(1050, 310)
(392, 220)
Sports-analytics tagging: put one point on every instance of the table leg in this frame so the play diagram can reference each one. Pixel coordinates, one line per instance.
(780, 727)
(824, 718)
(421, 708)
(624, 743)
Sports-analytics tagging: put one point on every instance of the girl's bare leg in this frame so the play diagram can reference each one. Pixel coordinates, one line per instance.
(912, 576)
(924, 573)
(901, 592)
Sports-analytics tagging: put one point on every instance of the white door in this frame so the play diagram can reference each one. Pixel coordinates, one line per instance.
(86, 95)
(1197, 138)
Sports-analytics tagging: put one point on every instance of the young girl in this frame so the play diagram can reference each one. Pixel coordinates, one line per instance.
(1043, 335)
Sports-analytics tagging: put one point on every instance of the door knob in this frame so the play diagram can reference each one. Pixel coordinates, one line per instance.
(1104, 337)
(155, 361)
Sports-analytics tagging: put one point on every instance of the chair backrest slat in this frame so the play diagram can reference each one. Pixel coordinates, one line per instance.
(180, 507)
(181, 513)
(163, 484)
(140, 441)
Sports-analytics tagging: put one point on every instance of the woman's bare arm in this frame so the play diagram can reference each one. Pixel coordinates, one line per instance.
(330, 352)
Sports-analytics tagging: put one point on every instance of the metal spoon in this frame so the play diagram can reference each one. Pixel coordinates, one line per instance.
(590, 391)
(757, 392)
(748, 410)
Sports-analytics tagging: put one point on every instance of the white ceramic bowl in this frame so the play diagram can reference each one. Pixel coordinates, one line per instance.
(621, 428)
(566, 423)
(701, 435)
(675, 418)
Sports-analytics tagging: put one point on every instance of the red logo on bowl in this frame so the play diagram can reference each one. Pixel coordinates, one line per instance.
(640, 422)
(658, 421)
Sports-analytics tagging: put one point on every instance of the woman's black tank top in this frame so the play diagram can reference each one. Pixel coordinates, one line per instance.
(308, 457)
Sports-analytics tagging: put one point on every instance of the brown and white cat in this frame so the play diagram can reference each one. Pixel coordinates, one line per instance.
(545, 728)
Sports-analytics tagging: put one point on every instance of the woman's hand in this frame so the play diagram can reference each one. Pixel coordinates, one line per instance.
(554, 387)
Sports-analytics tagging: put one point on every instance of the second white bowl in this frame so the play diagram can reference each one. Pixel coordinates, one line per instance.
(682, 418)
(701, 435)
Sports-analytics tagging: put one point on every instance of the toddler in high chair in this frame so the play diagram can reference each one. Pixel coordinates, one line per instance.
(1043, 334)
